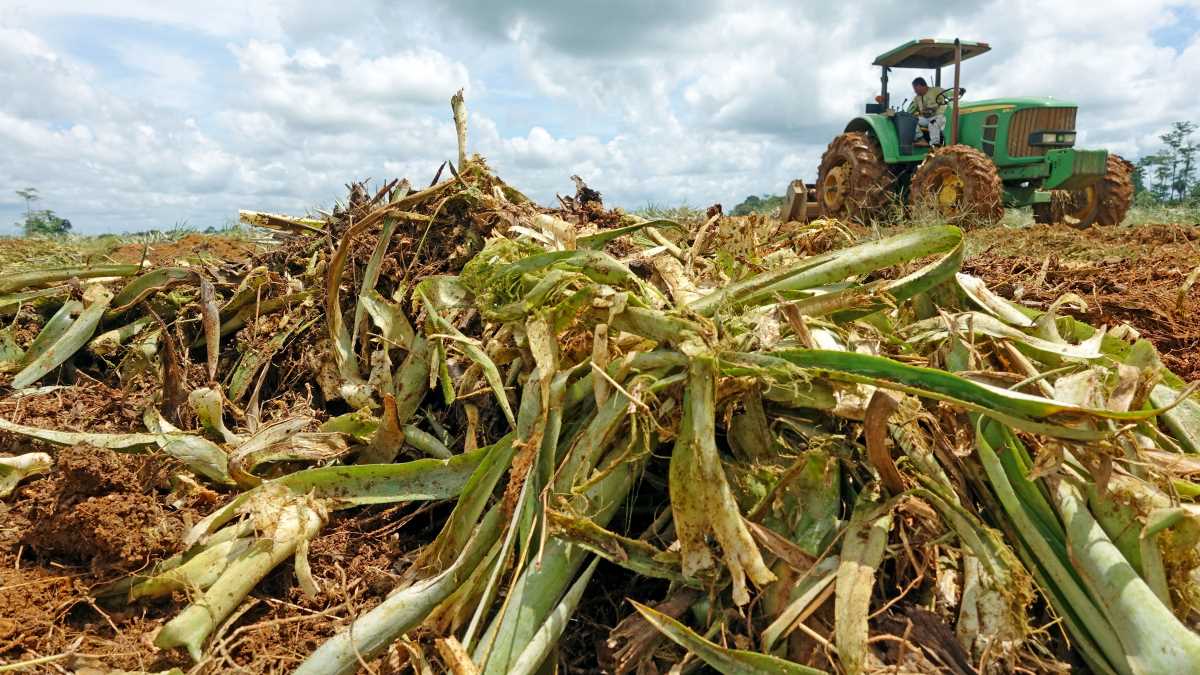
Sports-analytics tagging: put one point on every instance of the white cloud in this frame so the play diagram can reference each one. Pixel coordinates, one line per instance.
(345, 88)
(167, 111)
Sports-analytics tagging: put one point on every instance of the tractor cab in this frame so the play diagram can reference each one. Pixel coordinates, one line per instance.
(924, 54)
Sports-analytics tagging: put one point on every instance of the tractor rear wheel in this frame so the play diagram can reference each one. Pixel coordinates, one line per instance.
(1116, 191)
(1104, 203)
(853, 182)
(961, 184)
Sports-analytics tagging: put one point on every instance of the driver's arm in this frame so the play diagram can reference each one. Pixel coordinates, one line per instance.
(915, 105)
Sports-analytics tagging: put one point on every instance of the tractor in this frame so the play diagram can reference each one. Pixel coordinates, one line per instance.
(1009, 152)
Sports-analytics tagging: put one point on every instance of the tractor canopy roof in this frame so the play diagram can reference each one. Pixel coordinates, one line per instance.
(928, 53)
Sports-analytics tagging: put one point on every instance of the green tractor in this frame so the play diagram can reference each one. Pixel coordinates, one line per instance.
(999, 153)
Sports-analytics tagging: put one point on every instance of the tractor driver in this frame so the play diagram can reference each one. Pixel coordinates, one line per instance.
(928, 110)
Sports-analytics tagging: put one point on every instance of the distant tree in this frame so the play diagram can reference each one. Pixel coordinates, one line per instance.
(30, 195)
(1156, 175)
(1170, 176)
(41, 222)
(756, 204)
(45, 223)
(1139, 178)
(1187, 155)
(1177, 165)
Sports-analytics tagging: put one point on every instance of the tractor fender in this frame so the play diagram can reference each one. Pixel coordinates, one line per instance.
(884, 132)
(881, 127)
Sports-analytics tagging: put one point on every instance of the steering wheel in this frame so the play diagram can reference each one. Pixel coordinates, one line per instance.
(946, 96)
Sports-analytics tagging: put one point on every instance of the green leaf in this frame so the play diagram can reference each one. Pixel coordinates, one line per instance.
(72, 340)
(1024, 411)
(632, 554)
(1183, 421)
(20, 280)
(1063, 587)
(862, 551)
(545, 640)
(1153, 639)
(701, 500)
(52, 331)
(201, 455)
(724, 660)
(389, 318)
(347, 486)
(111, 441)
(598, 241)
(149, 283)
(832, 267)
(371, 633)
(473, 352)
(371, 276)
(10, 303)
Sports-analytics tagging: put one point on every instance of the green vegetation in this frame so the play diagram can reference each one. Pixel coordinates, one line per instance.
(43, 222)
(755, 204)
(1170, 176)
(682, 213)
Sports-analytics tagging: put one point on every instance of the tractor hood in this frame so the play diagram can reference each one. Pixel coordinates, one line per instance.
(1013, 103)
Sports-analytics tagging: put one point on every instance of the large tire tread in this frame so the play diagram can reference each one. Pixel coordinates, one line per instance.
(983, 192)
(870, 182)
(1116, 192)
(1115, 198)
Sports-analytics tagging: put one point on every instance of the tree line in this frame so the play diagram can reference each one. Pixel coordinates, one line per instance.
(1171, 176)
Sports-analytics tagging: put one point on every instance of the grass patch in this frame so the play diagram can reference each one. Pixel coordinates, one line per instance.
(1142, 214)
(680, 214)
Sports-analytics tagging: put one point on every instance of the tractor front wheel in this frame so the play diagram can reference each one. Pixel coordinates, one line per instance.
(853, 182)
(960, 184)
(1104, 203)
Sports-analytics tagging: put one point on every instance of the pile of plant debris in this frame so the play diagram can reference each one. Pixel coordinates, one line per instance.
(801, 452)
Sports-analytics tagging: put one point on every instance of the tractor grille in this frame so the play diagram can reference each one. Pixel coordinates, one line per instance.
(1025, 122)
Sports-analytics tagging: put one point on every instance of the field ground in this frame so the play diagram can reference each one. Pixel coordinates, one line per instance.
(1136, 274)
(120, 513)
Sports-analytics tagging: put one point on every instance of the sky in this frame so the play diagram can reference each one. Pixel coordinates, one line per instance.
(131, 115)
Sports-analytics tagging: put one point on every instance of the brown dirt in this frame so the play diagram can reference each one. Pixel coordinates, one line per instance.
(1131, 275)
(95, 517)
(100, 509)
(100, 514)
(87, 406)
(189, 246)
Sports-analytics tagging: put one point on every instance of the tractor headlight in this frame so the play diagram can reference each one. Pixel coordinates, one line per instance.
(1060, 139)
